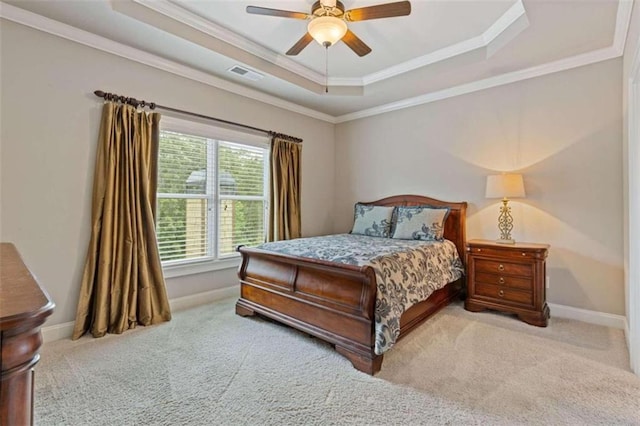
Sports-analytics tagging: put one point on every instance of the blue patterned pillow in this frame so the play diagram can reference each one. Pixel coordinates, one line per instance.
(374, 221)
(420, 223)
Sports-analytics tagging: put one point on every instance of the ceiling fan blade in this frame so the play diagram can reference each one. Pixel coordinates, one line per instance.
(355, 44)
(300, 44)
(256, 10)
(388, 10)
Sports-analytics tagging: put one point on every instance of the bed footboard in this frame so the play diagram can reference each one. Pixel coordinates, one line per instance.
(329, 301)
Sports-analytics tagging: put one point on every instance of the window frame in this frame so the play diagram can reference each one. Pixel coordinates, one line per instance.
(218, 134)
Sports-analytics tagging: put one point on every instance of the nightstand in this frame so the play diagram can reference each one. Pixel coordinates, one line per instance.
(508, 278)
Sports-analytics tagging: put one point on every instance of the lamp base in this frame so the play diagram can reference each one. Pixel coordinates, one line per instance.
(505, 224)
(500, 241)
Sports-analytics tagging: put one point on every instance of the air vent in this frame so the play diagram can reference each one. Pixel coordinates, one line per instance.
(245, 73)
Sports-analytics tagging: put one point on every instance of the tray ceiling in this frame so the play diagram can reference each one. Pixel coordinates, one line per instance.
(443, 48)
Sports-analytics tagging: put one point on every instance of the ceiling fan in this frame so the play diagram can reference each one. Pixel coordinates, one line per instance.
(328, 22)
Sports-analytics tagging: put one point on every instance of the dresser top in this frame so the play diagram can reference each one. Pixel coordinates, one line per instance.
(516, 246)
(21, 296)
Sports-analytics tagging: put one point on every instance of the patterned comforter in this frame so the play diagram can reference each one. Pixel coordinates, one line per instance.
(407, 271)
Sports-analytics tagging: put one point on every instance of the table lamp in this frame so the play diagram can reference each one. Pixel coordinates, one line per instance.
(505, 186)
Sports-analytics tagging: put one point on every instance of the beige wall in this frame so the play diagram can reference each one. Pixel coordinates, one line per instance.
(50, 121)
(631, 47)
(563, 131)
(632, 190)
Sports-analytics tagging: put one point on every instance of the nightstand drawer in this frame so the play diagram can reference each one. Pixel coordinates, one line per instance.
(505, 280)
(504, 253)
(493, 267)
(504, 293)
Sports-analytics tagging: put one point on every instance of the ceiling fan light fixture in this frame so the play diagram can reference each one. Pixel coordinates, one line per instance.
(327, 29)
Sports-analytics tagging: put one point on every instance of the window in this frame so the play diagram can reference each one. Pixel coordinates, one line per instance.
(212, 193)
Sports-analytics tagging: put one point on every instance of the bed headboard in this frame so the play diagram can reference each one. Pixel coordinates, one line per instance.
(454, 227)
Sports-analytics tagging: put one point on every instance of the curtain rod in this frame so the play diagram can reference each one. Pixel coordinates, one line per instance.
(152, 105)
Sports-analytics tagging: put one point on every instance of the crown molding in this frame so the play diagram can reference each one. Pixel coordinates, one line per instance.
(506, 20)
(422, 61)
(487, 83)
(86, 38)
(623, 20)
(180, 14)
(515, 12)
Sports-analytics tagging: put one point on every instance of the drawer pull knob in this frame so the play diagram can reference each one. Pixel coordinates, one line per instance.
(501, 293)
(501, 267)
(479, 249)
(524, 254)
(501, 280)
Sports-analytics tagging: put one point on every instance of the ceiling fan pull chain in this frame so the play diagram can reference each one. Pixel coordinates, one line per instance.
(326, 66)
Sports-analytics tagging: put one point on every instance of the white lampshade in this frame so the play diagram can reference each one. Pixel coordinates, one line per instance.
(505, 186)
(327, 29)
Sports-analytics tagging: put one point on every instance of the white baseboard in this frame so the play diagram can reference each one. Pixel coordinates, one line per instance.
(585, 315)
(57, 332)
(193, 300)
(65, 330)
(626, 333)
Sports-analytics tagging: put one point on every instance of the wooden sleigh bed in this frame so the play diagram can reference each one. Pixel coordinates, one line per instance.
(336, 302)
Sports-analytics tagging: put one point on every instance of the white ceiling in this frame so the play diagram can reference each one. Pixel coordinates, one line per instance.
(442, 49)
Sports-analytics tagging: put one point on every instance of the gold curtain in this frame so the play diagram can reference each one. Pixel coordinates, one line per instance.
(284, 206)
(122, 284)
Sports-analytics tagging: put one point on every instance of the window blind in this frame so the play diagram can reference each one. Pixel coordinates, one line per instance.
(212, 196)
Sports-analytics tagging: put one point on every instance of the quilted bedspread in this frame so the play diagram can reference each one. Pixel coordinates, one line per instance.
(407, 271)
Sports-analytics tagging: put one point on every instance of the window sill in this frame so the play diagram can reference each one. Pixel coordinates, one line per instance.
(173, 271)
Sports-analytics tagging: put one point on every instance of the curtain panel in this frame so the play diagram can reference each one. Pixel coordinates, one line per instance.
(284, 205)
(123, 284)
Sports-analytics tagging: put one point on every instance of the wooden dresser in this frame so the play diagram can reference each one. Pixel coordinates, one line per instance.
(24, 306)
(508, 278)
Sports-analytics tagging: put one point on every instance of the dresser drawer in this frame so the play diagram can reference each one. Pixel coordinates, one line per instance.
(494, 267)
(504, 293)
(505, 280)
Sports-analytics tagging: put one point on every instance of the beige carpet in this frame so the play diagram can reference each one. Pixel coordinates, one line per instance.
(209, 366)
